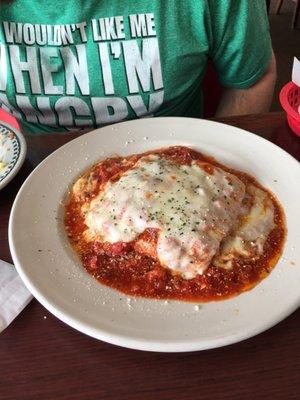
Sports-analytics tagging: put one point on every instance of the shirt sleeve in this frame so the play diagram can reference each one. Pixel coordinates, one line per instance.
(241, 46)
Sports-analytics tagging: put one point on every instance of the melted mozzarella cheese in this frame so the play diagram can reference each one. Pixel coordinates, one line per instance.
(192, 207)
(249, 239)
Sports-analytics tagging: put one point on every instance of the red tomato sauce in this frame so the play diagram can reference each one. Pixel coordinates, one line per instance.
(121, 267)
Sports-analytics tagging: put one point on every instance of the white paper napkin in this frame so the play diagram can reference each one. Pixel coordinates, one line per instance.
(296, 72)
(14, 296)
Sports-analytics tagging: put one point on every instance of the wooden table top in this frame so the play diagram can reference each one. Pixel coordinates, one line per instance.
(41, 358)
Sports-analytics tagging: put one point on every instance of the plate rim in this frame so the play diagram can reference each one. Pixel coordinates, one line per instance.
(122, 340)
(141, 344)
(23, 151)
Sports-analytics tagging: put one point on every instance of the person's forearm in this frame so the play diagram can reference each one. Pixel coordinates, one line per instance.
(254, 100)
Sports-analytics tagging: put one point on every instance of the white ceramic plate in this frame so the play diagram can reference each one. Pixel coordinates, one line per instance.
(52, 272)
(12, 153)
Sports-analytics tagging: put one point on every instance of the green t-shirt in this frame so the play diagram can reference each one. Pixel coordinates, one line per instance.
(83, 64)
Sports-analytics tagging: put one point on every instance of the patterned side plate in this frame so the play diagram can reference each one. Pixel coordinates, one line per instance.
(12, 153)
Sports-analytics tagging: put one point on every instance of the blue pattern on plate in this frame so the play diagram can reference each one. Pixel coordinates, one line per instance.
(7, 136)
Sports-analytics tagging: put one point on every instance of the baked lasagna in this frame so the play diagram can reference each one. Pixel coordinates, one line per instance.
(174, 224)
